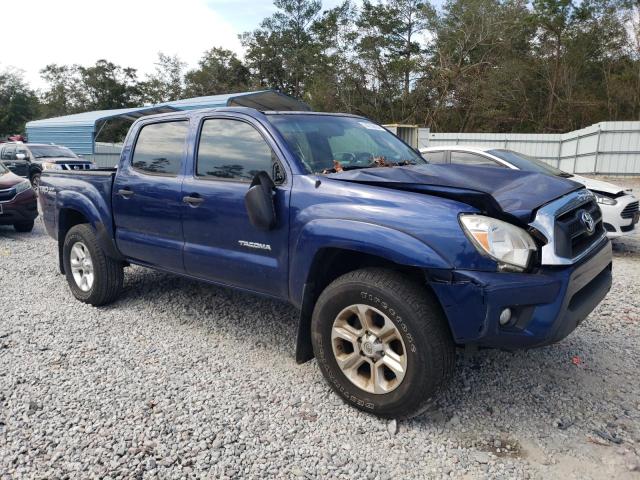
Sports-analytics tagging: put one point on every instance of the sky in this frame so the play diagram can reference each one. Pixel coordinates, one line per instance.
(127, 32)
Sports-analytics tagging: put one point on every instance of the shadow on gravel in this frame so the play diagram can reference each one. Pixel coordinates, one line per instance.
(246, 317)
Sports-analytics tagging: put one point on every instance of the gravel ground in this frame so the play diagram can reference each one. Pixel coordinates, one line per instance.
(178, 379)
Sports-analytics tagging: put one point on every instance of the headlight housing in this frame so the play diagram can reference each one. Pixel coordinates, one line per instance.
(507, 244)
(604, 200)
(51, 166)
(23, 186)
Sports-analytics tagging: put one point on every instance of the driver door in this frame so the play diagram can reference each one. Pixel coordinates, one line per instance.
(221, 244)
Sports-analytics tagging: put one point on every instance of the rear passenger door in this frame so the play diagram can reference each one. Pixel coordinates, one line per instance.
(221, 244)
(147, 196)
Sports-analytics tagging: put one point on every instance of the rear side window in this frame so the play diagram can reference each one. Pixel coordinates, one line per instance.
(435, 157)
(233, 150)
(9, 152)
(160, 148)
(466, 158)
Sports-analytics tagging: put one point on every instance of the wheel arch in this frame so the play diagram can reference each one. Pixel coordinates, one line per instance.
(69, 217)
(327, 251)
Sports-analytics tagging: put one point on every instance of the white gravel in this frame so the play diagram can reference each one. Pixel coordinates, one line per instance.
(178, 379)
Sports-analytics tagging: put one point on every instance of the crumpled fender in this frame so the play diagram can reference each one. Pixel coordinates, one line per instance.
(390, 244)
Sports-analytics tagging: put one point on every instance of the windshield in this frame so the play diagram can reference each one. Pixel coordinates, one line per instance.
(3, 169)
(325, 143)
(51, 151)
(528, 164)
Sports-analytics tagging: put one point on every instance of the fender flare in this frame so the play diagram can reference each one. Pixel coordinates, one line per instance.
(100, 222)
(362, 237)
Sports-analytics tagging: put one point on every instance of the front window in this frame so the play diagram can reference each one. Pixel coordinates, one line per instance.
(3, 169)
(326, 143)
(528, 164)
(233, 150)
(51, 151)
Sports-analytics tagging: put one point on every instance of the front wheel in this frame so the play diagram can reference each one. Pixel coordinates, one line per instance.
(35, 181)
(94, 278)
(382, 342)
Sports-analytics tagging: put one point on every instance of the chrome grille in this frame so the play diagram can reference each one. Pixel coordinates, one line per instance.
(572, 235)
(75, 166)
(568, 238)
(629, 210)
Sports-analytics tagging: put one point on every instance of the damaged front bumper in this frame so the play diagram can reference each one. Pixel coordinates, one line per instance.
(546, 306)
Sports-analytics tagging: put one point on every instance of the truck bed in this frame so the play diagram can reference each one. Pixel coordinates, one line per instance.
(77, 190)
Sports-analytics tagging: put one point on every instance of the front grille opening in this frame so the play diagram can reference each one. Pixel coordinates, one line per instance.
(572, 235)
(630, 210)
(7, 194)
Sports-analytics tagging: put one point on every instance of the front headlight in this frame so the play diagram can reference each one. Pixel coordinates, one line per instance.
(23, 186)
(603, 199)
(507, 244)
(51, 166)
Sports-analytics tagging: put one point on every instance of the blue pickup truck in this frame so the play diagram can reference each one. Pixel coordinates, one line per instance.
(392, 262)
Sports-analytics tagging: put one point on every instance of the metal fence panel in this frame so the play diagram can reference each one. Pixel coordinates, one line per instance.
(611, 148)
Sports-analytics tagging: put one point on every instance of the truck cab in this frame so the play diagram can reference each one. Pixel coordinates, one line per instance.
(392, 262)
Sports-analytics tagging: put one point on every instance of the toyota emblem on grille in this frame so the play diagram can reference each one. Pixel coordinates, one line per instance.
(587, 221)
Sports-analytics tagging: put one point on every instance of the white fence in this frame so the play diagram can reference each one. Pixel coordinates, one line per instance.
(606, 148)
(106, 155)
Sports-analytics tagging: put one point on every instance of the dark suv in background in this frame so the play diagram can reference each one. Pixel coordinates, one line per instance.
(18, 201)
(29, 160)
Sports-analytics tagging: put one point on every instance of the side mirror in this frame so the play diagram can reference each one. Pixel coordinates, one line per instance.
(20, 156)
(259, 202)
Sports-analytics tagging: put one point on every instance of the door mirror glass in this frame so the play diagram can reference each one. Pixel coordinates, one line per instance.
(259, 202)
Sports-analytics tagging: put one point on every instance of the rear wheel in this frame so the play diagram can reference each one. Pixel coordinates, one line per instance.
(23, 226)
(382, 342)
(94, 278)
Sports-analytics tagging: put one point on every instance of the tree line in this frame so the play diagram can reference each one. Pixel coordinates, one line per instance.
(468, 65)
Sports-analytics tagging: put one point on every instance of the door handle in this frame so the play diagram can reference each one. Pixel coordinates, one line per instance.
(193, 201)
(125, 192)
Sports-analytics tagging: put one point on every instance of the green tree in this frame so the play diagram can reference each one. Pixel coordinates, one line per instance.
(283, 53)
(219, 71)
(64, 93)
(107, 85)
(18, 103)
(166, 83)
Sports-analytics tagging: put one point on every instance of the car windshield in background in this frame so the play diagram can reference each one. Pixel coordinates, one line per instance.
(528, 164)
(326, 143)
(51, 151)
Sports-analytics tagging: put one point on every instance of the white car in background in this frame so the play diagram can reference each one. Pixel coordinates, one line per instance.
(619, 207)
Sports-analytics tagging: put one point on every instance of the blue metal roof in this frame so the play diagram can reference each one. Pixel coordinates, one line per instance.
(261, 100)
(78, 131)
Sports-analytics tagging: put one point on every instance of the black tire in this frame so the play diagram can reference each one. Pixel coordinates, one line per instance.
(108, 273)
(418, 317)
(23, 226)
(35, 181)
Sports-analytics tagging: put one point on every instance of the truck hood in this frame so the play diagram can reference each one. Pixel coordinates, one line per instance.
(499, 192)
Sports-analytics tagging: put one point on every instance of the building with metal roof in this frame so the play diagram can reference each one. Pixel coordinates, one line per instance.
(80, 131)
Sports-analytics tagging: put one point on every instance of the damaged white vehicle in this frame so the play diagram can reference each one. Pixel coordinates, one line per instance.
(619, 206)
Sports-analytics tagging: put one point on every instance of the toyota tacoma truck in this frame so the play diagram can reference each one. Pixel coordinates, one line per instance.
(392, 262)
